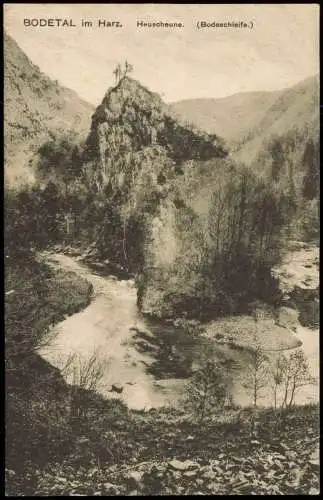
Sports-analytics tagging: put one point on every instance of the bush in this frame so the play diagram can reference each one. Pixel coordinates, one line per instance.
(60, 158)
(207, 390)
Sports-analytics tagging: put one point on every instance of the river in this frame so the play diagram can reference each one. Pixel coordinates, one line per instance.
(138, 354)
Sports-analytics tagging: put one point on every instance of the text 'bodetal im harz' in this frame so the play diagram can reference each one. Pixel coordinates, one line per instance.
(100, 23)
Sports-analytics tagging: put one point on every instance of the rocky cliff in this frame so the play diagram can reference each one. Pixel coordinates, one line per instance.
(131, 118)
(136, 147)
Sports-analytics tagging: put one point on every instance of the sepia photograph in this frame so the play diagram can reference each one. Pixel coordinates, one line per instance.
(161, 249)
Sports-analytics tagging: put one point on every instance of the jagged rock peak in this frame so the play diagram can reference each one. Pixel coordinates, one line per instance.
(129, 86)
(133, 117)
(128, 92)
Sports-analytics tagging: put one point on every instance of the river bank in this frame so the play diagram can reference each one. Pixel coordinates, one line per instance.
(110, 449)
(149, 363)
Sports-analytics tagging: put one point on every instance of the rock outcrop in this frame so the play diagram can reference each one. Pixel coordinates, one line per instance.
(131, 118)
(138, 149)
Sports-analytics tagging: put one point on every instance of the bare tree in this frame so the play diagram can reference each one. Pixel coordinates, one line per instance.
(120, 72)
(277, 375)
(288, 374)
(295, 375)
(256, 376)
(128, 68)
(117, 73)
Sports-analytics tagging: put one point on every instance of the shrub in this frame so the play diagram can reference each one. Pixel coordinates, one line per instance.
(207, 390)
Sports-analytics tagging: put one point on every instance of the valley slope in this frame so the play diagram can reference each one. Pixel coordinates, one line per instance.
(247, 119)
(36, 108)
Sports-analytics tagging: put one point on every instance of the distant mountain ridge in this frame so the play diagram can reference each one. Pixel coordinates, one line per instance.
(228, 113)
(35, 108)
(250, 117)
(295, 108)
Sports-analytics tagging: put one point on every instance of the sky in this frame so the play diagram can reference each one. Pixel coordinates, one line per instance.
(279, 48)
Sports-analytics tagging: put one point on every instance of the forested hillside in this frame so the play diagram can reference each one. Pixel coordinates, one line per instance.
(297, 108)
(247, 118)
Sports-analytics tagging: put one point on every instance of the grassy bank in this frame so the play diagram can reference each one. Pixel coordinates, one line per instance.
(39, 295)
(36, 297)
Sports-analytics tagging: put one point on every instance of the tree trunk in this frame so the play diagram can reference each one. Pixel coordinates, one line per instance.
(284, 403)
(275, 397)
(291, 400)
(255, 390)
